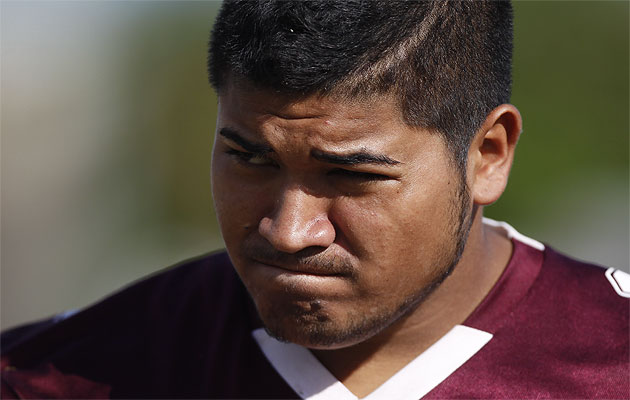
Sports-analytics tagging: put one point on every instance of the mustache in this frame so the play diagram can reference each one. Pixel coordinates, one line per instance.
(318, 260)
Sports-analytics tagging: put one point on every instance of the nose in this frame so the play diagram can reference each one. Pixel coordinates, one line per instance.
(299, 220)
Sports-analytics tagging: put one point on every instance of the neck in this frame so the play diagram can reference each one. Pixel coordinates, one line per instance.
(365, 366)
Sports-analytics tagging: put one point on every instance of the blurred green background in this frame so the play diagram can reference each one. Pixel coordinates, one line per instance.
(107, 122)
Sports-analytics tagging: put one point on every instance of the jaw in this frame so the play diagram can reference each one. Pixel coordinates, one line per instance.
(332, 325)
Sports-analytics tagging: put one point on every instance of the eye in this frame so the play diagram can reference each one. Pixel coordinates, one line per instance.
(358, 175)
(251, 158)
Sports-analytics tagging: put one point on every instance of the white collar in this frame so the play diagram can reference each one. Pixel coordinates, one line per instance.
(312, 381)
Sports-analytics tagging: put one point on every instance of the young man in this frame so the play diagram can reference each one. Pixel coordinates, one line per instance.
(356, 145)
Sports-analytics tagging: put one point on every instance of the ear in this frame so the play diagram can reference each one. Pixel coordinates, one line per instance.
(491, 154)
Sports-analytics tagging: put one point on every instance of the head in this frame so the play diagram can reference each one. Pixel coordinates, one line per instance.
(447, 64)
(341, 169)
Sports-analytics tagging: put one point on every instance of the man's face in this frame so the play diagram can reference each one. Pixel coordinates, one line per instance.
(338, 217)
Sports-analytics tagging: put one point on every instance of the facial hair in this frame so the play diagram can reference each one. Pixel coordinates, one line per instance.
(282, 320)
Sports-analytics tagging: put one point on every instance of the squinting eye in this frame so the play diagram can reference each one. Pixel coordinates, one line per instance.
(250, 158)
(358, 175)
(258, 160)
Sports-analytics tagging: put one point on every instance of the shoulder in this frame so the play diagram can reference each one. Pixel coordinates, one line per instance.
(206, 276)
(560, 329)
(582, 306)
(581, 289)
(158, 337)
(568, 336)
(573, 330)
(578, 306)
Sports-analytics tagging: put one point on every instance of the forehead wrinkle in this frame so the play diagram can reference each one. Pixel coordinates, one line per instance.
(329, 109)
(340, 134)
(236, 137)
(293, 117)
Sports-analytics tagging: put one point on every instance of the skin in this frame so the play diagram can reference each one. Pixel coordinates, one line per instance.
(342, 221)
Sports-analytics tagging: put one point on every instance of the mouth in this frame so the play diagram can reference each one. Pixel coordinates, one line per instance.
(297, 281)
(302, 269)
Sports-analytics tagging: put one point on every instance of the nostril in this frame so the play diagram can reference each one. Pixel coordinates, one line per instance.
(265, 227)
(322, 231)
(292, 235)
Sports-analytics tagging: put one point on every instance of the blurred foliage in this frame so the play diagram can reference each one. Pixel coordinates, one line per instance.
(174, 106)
(571, 87)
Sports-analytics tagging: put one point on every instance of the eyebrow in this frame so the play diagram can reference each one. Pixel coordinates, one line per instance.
(359, 157)
(355, 158)
(252, 147)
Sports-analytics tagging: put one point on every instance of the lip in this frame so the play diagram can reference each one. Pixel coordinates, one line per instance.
(301, 269)
(297, 283)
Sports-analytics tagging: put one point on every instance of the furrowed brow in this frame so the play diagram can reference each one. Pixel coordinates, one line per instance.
(234, 136)
(360, 157)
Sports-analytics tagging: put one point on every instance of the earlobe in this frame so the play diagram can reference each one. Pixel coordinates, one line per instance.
(491, 153)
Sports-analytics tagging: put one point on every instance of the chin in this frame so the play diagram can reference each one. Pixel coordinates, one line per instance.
(316, 326)
(328, 325)
(300, 325)
(314, 335)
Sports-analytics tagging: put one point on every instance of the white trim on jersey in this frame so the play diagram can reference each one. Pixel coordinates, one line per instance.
(619, 280)
(300, 369)
(514, 234)
(312, 381)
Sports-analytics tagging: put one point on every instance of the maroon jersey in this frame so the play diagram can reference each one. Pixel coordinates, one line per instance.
(554, 328)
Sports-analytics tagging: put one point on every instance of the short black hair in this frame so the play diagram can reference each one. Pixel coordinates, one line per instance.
(447, 62)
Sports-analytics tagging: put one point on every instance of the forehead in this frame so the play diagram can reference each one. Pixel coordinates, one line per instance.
(296, 105)
(333, 120)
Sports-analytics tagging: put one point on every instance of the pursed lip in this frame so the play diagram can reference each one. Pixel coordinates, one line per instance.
(302, 269)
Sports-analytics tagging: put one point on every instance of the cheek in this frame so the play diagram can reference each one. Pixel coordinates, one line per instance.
(412, 227)
(394, 221)
(236, 211)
